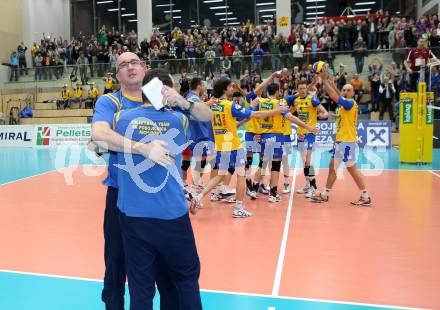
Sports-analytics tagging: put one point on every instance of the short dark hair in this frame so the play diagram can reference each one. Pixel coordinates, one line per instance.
(272, 88)
(302, 82)
(220, 87)
(162, 74)
(195, 81)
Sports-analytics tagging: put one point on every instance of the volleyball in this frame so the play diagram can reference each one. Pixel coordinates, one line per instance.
(318, 66)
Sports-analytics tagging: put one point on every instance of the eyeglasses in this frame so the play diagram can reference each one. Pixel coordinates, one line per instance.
(133, 62)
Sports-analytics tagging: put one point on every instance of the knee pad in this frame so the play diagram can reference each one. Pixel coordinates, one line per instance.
(231, 171)
(260, 164)
(311, 171)
(276, 166)
(306, 171)
(203, 163)
(185, 165)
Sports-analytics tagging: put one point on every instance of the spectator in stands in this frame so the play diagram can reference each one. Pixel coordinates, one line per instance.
(358, 86)
(328, 47)
(22, 64)
(38, 64)
(236, 62)
(274, 50)
(398, 47)
(314, 48)
(341, 77)
(416, 63)
(77, 95)
(298, 53)
(375, 66)
(360, 52)
(108, 83)
(374, 92)
(82, 64)
(92, 96)
(66, 95)
(372, 34)
(387, 92)
(258, 56)
(209, 84)
(13, 63)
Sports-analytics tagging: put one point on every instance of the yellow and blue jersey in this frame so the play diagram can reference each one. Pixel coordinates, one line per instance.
(105, 109)
(108, 83)
(224, 124)
(346, 117)
(198, 131)
(271, 124)
(156, 192)
(252, 124)
(307, 109)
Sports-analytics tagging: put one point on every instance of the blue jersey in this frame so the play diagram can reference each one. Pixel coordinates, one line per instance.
(199, 131)
(151, 190)
(105, 108)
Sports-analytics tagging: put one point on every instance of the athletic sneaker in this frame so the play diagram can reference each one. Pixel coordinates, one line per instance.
(303, 190)
(362, 202)
(263, 190)
(226, 190)
(251, 193)
(318, 198)
(229, 199)
(216, 197)
(274, 199)
(195, 203)
(240, 212)
(286, 188)
(200, 186)
(311, 192)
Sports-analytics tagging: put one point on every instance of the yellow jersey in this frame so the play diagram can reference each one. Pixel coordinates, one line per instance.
(93, 93)
(274, 123)
(252, 124)
(224, 125)
(66, 93)
(346, 117)
(287, 125)
(108, 83)
(307, 109)
(78, 93)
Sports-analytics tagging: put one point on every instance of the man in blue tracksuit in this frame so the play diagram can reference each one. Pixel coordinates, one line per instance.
(130, 76)
(154, 216)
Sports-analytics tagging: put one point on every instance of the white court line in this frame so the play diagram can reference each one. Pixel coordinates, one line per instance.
(436, 174)
(28, 177)
(222, 292)
(282, 254)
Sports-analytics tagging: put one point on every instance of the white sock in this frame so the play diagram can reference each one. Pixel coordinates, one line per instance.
(326, 192)
(364, 194)
(286, 180)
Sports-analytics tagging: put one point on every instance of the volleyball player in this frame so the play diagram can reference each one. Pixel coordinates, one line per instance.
(345, 148)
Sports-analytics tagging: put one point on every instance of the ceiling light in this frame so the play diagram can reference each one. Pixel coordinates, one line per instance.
(212, 1)
(132, 20)
(104, 2)
(365, 3)
(219, 7)
(224, 13)
(265, 3)
(114, 10)
(174, 11)
(315, 13)
(229, 18)
(165, 5)
(267, 10)
(128, 14)
(315, 7)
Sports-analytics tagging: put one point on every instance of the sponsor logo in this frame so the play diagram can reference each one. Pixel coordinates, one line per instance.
(43, 135)
(407, 111)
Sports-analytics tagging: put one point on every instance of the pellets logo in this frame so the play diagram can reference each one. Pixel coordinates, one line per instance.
(43, 135)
